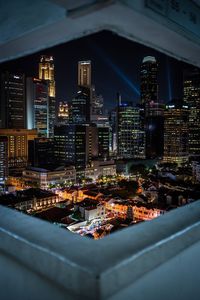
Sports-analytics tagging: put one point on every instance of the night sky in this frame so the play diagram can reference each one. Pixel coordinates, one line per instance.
(115, 68)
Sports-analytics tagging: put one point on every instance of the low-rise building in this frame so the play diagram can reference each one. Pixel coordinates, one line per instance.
(100, 168)
(141, 211)
(30, 199)
(90, 209)
(44, 178)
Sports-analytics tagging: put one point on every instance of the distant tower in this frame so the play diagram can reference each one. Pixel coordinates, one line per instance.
(46, 72)
(37, 106)
(176, 132)
(3, 160)
(130, 136)
(12, 104)
(84, 73)
(63, 113)
(149, 80)
(192, 99)
(80, 109)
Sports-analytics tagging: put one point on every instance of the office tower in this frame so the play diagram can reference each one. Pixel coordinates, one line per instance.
(154, 130)
(3, 161)
(41, 152)
(130, 136)
(149, 80)
(97, 103)
(103, 141)
(46, 72)
(84, 73)
(113, 131)
(63, 113)
(80, 107)
(12, 104)
(75, 144)
(176, 132)
(37, 106)
(18, 148)
(192, 99)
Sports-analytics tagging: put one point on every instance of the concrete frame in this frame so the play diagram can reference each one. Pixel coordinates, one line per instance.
(155, 260)
(68, 265)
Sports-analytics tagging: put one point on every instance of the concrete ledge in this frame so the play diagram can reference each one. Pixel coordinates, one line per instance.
(96, 269)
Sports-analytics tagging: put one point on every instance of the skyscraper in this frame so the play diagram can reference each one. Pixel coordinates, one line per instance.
(63, 113)
(76, 144)
(41, 152)
(12, 105)
(84, 73)
(154, 130)
(46, 72)
(80, 109)
(149, 80)
(96, 103)
(103, 141)
(176, 132)
(130, 136)
(192, 99)
(37, 106)
(3, 160)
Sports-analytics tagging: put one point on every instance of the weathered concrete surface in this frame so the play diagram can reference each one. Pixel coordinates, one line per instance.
(26, 29)
(117, 265)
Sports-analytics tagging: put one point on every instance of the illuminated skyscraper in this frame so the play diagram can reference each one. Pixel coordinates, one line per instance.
(103, 141)
(192, 98)
(75, 144)
(149, 80)
(176, 132)
(46, 72)
(3, 160)
(80, 110)
(37, 106)
(63, 113)
(84, 73)
(130, 136)
(12, 104)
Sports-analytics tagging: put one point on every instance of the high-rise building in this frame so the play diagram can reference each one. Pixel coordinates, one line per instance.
(192, 99)
(130, 136)
(154, 130)
(37, 106)
(46, 72)
(176, 132)
(113, 131)
(75, 144)
(80, 107)
(103, 141)
(96, 103)
(18, 148)
(149, 80)
(41, 152)
(84, 73)
(12, 104)
(63, 113)
(3, 161)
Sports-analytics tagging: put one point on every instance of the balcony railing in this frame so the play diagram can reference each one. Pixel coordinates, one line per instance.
(158, 259)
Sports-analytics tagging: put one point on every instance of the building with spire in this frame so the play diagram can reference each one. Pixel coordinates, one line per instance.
(46, 72)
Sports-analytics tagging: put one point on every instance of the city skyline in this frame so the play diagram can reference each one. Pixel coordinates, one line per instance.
(113, 70)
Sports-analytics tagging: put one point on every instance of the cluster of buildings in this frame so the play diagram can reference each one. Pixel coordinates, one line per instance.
(45, 144)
